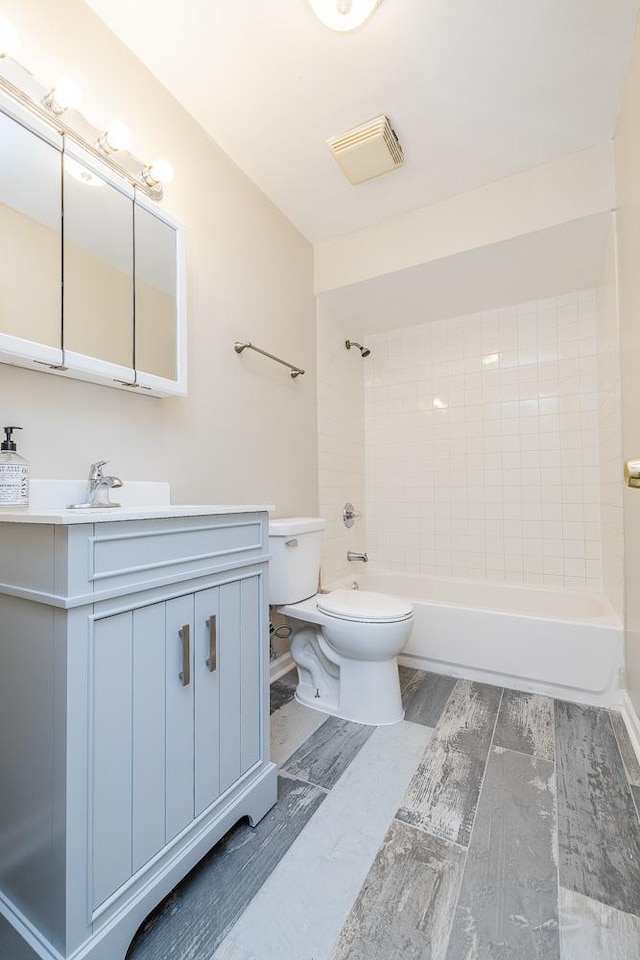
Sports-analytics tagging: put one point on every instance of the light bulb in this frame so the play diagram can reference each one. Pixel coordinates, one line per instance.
(117, 137)
(160, 171)
(65, 95)
(343, 15)
(8, 39)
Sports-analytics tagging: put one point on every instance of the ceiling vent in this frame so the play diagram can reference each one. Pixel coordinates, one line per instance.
(367, 151)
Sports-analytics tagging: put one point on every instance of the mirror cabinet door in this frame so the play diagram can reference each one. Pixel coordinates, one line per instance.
(30, 232)
(98, 264)
(155, 295)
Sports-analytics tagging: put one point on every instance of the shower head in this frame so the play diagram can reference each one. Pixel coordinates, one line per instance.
(364, 351)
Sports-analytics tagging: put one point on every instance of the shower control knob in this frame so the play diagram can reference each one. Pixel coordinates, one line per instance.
(349, 515)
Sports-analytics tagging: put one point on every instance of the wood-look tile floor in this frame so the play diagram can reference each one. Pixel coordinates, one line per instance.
(489, 825)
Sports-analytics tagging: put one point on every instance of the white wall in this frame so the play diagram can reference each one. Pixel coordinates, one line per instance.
(610, 430)
(627, 157)
(340, 443)
(482, 446)
(246, 432)
(576, 186)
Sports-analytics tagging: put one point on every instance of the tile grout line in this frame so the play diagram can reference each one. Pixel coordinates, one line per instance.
(308, 783)
(484, 772)
(428, 673)
(428, 833)
(475, 814)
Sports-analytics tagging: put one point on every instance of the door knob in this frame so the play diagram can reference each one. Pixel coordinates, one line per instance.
(632, 472)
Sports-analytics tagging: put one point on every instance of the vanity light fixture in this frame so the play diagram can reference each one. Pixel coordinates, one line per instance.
(343, 15)
(65, 95)
(160, 171)
(8, 38)
(58, 106)
(116, 138)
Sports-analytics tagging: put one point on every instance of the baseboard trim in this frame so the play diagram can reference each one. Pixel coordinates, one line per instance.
(631, 722)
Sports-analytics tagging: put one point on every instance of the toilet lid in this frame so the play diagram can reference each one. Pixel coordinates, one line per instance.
(364, 605)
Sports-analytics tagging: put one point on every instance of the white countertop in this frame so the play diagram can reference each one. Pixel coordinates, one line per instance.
(141, 500)
(67, 517)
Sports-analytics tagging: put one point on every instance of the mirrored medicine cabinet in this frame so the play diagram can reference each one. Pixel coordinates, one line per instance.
(91, 270)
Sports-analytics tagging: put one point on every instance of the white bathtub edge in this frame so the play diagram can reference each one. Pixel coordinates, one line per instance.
(631, 722)
(611, 697)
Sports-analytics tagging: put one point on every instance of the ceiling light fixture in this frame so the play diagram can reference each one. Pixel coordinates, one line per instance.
(65, 95)
(117, 137)
(8, 38)
(343, 15)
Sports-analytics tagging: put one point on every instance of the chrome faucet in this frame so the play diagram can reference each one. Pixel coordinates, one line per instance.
(357, 556)
(98, 487)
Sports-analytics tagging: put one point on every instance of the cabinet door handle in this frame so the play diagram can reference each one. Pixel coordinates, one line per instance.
(185, 673)
(212, 659)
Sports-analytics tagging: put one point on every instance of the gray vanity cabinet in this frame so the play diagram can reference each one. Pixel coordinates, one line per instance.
(151, 656)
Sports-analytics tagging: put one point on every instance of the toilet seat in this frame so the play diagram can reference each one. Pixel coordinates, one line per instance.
(364, 606)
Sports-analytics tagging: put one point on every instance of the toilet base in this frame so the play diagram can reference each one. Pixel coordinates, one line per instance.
(367, 693)
(364, 691)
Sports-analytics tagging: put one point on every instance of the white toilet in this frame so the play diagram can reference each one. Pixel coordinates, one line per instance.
(344, 642)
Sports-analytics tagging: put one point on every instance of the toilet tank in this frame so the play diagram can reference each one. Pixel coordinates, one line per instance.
(295, 545)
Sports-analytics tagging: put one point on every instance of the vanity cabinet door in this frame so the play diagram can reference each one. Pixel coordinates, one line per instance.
(148, 805)
(111, 755)
(207, 694)
(128, 755)
(227, 686)
(175, 720)
(227, 732)
(179, 719)
(142, 738)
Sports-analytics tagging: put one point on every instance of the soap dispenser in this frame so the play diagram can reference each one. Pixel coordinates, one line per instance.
(14, 473)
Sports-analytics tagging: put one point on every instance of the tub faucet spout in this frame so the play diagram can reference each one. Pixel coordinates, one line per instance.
(357, 556)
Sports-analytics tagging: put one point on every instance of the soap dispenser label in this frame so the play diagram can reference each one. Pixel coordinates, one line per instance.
(14, 485)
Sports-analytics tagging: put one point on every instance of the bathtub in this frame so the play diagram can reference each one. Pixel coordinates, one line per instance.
(557, 642)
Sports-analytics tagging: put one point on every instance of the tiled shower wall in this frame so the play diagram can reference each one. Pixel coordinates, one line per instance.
(482, 446)
(610, 428)
(341, 459)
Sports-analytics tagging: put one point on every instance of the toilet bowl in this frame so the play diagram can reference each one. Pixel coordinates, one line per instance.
(345, 642)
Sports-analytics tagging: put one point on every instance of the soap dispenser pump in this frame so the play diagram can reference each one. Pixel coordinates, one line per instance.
(14, 473)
